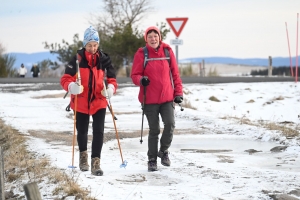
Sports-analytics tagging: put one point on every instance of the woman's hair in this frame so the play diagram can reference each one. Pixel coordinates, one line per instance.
(152, 30)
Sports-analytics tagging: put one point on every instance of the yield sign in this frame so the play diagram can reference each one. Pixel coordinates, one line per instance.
(177, 24)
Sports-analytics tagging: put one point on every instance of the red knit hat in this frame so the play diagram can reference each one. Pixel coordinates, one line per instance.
(149, 29)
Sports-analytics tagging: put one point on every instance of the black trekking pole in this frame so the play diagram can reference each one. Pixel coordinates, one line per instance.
(181, 109)
(143, 107)
(110, 110)
(66, 94)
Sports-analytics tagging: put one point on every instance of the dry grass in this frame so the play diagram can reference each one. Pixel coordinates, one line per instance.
(186, 71)
(283, 128)
(186, 91)
(213, 98)
(187, 104)
(61, 95)
(22, 166)
(213, 72)
(66, 138)
(279, 98)
(288, 132)
(250, 101)
(59, 138)
(241, 120)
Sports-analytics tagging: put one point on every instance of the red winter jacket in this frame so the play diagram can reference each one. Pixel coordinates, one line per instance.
(160, 89)
(92, 70)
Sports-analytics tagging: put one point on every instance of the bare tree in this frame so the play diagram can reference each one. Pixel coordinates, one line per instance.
(2, 49)
(119, 13)
(7, 62)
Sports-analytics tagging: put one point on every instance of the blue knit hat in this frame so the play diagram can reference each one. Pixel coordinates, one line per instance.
(90, 34)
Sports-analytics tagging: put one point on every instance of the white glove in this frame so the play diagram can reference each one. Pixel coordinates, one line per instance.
(75, 88)
(110, 91)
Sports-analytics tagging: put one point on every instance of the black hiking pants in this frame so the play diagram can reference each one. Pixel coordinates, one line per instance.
(82, 126)
(152, 112)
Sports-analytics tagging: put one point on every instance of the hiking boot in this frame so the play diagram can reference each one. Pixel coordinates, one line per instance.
(164, 155)
(152, 165)
(83, 161)
(96, 170)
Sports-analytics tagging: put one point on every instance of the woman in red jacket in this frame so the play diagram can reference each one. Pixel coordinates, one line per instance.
(91, 97)
(161, 80)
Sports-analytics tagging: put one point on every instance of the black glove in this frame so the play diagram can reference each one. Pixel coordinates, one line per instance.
(178, 99)
(145, 81)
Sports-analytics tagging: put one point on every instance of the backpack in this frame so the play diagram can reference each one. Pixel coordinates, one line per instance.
(167, 54)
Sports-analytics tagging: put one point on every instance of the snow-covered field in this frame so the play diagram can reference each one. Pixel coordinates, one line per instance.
(222, 69)
(209, 154)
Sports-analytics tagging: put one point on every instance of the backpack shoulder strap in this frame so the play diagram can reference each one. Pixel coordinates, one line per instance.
(167, 54)
(145, 56)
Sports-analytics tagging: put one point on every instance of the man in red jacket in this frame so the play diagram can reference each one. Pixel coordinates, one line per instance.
(161, 85)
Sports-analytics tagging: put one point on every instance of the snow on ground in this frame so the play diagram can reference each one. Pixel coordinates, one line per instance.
(207, 154)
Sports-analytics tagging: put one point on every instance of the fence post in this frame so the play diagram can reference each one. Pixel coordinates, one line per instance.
(200, 69)
(2, 189)
(32, 191)
(203, 68)
(270, 67)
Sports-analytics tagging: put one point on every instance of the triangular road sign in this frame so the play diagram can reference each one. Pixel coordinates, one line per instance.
(177, 24)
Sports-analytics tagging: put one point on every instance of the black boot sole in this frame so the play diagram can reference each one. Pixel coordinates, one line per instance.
(165, 165)
(152, 170)
(97, 174)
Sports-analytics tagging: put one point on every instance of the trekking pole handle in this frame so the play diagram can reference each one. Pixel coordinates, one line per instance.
(106, 96)
(78, 73)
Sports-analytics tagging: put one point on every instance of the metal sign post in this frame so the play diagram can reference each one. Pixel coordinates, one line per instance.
(177, 25)
(176, 42)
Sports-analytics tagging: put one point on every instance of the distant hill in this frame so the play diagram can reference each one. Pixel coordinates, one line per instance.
(29, 59)
(276, 61)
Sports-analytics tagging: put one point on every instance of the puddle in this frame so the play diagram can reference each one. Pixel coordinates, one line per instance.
(229, 145)
(224, 142)
(206, 142)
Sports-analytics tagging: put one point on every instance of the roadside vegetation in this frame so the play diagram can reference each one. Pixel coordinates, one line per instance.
(286, 128)
(21, 166)
(7, 62)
